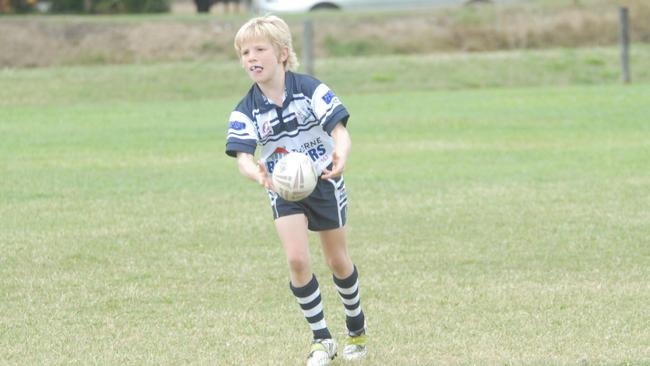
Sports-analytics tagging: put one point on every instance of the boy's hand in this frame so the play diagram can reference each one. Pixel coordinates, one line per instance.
(255, 171)
(264, 178)
(338, 166)
(342, 144)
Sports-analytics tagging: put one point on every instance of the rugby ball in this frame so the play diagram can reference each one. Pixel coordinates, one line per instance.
(294, 176)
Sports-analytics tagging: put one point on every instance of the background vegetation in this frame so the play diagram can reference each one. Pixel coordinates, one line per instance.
(44, 41)
(83, 6)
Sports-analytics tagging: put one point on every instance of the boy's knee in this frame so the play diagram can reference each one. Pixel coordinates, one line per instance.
(299, 264)
(339, 264)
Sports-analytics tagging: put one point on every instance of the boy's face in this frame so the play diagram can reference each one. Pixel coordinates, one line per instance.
(261, 61)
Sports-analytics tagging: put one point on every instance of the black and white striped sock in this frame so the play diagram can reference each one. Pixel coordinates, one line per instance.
(348, 289)
(310, 302)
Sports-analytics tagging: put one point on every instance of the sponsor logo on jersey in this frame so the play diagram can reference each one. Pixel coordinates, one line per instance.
(316, 153)
(329, 96)
(237, 126)
(281, 150)
(315, 149)
(273, 159)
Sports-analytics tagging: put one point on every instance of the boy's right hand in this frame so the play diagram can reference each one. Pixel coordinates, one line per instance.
(264, 178)
(255, 171)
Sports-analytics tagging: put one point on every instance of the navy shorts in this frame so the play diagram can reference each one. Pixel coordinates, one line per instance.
(326, 207)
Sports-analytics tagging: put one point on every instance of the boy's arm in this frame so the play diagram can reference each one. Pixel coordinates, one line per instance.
(342, 146)
(255, 171)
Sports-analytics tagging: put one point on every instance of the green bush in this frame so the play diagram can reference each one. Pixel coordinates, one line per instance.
(146, 6)
(67, 6)
(110, 6)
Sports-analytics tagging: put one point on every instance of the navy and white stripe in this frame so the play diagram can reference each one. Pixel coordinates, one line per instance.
(341, 199)
(348, 289)
(311, 304)
(310, 111)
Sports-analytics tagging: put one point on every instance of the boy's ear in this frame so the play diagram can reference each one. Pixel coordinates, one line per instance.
(284, 54)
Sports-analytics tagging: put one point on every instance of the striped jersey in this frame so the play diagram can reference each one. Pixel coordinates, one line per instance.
(309, 113)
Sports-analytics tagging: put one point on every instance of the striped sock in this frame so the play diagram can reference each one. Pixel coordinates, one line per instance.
(348, 289)
(310, 302)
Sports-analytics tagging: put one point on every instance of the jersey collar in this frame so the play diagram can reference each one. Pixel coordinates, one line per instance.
(263, 102)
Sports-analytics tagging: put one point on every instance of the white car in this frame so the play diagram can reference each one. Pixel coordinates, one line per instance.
(298, 6)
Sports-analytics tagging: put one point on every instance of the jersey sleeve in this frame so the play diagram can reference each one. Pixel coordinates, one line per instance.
(328, 108)
(241, 135)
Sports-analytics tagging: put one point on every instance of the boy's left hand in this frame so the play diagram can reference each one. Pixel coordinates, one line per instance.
(338, 166)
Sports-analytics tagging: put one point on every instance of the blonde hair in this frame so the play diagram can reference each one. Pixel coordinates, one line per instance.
(273, 29)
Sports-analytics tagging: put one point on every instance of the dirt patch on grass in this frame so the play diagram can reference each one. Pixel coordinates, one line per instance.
(45, 41)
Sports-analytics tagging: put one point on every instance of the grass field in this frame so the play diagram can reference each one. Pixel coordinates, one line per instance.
(496, 223)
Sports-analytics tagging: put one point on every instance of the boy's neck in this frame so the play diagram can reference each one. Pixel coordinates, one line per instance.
(274, 89)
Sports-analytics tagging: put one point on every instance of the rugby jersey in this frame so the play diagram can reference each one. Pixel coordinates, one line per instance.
(309, 113)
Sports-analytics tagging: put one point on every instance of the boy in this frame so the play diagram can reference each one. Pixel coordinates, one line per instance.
(285, 111)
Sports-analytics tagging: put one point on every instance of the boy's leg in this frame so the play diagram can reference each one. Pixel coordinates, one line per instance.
(292, 231)
(335, 249)
(345, 277)
(348, 289)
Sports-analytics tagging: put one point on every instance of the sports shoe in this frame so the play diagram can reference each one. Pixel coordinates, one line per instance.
(322, 352)
(355, 347)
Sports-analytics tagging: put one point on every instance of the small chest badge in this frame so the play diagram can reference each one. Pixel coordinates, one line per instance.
(266, 129)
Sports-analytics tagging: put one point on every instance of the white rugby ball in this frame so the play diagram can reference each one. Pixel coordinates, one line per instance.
(294, 176)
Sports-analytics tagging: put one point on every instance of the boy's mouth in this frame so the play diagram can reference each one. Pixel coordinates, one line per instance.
(255, 67)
